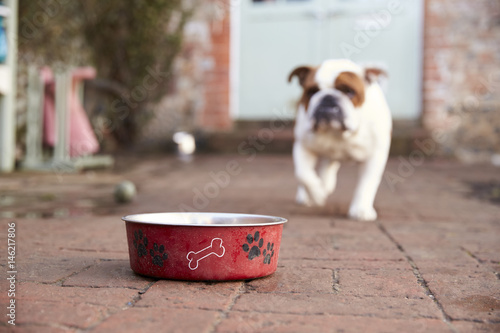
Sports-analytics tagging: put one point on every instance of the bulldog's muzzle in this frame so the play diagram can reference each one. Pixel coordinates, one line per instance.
(329, 113)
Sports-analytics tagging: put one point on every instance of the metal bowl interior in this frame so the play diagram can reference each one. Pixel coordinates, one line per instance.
(205, 219)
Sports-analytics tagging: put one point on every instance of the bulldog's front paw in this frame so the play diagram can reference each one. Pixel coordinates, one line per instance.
(362, 213)
(302, 198)
(316, 198)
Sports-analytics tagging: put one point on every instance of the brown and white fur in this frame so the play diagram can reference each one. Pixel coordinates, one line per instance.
(342, 115)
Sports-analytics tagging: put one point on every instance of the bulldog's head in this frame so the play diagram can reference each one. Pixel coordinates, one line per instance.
(333, 93)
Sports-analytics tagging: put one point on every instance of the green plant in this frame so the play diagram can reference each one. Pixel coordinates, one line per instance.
(132, 44)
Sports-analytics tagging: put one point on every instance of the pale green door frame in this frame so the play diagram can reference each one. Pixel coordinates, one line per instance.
(275, 36)
(8, 93)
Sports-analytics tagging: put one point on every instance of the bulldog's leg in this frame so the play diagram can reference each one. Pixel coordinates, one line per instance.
(327, 171)
(371, 172)
(302, 197)
(305, 171)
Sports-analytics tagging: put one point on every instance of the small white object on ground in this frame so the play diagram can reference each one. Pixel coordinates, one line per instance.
(495, 160)
(186, 145)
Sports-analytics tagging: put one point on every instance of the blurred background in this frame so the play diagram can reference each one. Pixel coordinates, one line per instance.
(130, 74)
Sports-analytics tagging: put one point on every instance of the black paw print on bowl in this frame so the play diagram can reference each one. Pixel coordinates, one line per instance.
(158, 254)
(268, 253)
(140, 243)
(252, 247)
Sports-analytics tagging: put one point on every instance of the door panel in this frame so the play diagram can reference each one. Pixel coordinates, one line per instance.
(388, 36)
(277, 36)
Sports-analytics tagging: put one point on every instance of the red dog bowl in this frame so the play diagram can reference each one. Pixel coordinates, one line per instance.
(203, 246)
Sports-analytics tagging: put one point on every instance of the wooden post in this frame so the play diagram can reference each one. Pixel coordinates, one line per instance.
(34, 119)
(61, 149)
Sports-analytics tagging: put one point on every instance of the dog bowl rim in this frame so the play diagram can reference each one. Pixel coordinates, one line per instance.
(250, 220)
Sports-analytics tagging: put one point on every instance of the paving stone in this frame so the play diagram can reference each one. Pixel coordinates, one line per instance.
(109, 273)
(399, 264)
(314, 304)
(82, 315)
(337, 247)
(83, 234)
(381, 282)
(492, 256)
(473, 237)
(153, 319)
(356, 278)
(442, 254)
(51, 270)
(245, 322)
(475, 307)
(72, 307)
(30, 328)
(193, 295)
(307, 225)
(295, 280)
(475, 327)
(429, 268)
(119, 297)
(333, 273)
(466, 294)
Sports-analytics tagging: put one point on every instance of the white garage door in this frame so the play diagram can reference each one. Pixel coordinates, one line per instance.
(277, 35)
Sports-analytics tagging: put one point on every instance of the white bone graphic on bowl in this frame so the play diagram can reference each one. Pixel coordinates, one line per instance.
(214, 248)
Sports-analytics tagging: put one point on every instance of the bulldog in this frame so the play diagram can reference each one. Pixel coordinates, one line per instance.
(342, 115)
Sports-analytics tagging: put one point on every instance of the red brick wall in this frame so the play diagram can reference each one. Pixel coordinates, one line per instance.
(461, 56)
(461, 92)
(199, 97)
(215, 113)
(433, 39)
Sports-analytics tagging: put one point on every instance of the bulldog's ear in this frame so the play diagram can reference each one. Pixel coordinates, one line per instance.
(374, 74)
(301, 72)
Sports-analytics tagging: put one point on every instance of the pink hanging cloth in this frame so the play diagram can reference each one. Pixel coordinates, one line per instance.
(49, 118)
(82, 139)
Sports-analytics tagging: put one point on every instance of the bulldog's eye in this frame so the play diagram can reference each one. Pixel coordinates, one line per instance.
(311, 91)
(347, 90)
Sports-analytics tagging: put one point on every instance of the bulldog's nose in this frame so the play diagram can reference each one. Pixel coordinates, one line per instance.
(329, 108)
(328, 101)
(328, 111)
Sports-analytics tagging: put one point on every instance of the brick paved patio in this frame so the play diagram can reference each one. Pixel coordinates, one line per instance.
(431, 263)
